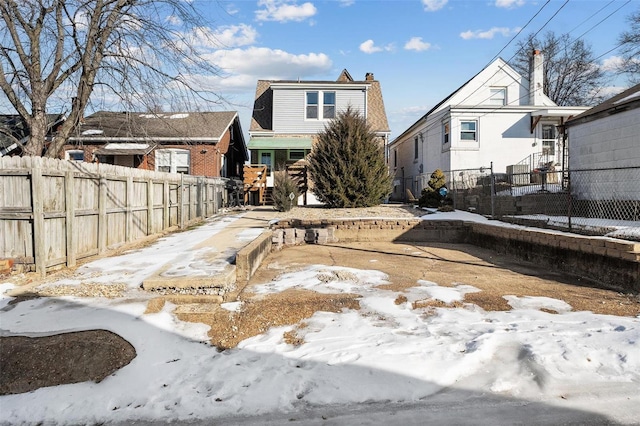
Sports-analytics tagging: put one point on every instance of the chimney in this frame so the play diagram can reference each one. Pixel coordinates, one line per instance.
(536, 77)
(369, 76)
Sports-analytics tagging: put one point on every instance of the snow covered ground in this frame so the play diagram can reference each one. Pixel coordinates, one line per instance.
(384, 364)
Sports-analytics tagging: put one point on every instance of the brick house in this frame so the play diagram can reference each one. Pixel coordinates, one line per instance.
(207, 144)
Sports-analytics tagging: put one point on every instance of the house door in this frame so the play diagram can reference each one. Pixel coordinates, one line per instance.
(267, 157)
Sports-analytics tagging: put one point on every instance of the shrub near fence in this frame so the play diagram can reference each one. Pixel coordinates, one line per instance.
(54, 212)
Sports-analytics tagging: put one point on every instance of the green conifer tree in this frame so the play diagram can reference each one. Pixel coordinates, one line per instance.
(430, 196)
(347, 165)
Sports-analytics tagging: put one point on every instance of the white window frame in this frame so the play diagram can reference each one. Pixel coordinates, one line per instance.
(320, 105)
(70, 154)
(307, 105)
(498, 96)
(173, 164)
(465, 131)
(325, 105)
(548, 145)
(446, 132)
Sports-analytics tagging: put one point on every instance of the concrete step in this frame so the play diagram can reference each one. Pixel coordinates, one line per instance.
(216, 284)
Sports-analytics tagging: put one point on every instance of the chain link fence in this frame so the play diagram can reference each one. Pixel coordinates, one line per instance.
(592, 202)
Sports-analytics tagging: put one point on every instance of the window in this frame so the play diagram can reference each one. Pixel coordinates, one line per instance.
(329, 105)
(445, 133)
(498, 96)
(468, 130)
(548, 139)
(395, 158)
(74, 155)
(173, 160)
(312, 104)
(415, 148)
(320, 111)
(296, 154)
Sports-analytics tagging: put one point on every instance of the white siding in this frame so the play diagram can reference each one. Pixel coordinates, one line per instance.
(289, 109)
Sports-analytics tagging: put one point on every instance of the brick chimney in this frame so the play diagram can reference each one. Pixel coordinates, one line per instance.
(536, 77)
(369, 76)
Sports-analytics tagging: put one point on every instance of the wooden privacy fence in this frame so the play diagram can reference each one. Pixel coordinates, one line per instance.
(54, 212)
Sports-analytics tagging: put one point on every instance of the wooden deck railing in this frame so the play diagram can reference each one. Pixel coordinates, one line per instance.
(255, 181)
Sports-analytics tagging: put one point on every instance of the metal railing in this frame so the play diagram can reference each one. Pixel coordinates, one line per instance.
(602, 201)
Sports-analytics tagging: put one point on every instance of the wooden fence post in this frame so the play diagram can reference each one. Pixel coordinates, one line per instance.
(128, 212)
(102, 215)
(150, 206)
(69, 198)
(166, 205)
(37, 189)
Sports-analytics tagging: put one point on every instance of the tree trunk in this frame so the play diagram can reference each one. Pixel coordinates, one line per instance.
(37, 125)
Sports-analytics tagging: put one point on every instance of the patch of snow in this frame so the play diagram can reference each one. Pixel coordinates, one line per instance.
(90, 132)
(181, 115)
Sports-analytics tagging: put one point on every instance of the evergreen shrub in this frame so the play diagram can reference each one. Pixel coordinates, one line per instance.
(347, 165)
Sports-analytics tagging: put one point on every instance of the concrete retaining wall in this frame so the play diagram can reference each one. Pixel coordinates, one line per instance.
(249, 258)
(607, 262)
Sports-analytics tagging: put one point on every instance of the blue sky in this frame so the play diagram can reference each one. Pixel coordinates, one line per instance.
(420, 51)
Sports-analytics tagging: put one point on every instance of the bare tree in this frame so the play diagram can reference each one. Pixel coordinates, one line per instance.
(55, 53)
(630, 49)
(571, 75)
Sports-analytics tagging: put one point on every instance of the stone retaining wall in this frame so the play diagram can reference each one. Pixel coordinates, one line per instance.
(607, 262)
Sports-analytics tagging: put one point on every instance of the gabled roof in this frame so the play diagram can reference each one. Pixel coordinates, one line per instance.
(261, 119)
(629, 99)
(501, 63)
(193, 126)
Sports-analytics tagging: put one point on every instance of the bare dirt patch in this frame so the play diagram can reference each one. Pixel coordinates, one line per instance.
(259, 313)
(29, 363)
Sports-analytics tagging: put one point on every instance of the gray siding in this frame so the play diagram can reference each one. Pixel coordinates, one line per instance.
(289, 109)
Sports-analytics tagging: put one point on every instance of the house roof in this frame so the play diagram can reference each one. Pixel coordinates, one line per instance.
(503, 65)
(263, 103)
(176, 126)
(629, 99)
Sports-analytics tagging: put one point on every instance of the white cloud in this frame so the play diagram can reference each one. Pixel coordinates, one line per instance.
(245, 66)
(284, 10)
(433, 5)
(489, 34)
(174, 20)
(417, 44)
(612, 63)
(509, 4)
(223, 37)
(610, 91)
(369, 47)
(346, 3)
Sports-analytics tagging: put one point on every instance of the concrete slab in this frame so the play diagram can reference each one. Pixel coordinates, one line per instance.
(211, 263)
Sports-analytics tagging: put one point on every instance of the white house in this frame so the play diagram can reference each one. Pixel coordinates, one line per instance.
(498, 116)
(606, 138)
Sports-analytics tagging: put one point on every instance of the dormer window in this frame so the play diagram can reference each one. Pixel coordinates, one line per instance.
(327, 108)
(312, 104)
(498, 96)
(329, 105)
